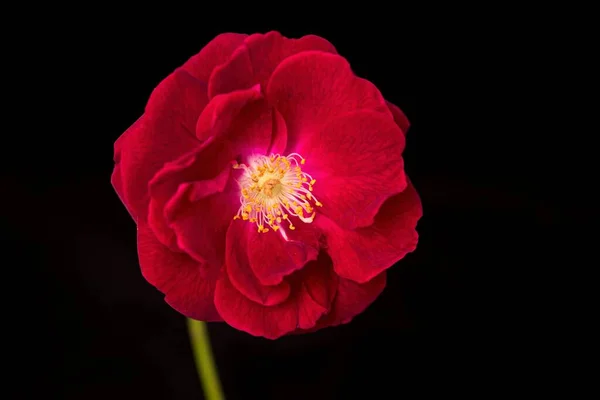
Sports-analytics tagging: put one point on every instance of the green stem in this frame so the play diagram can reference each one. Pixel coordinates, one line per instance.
(205, 363)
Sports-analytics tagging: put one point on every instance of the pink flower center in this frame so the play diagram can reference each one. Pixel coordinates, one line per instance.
(273, 188)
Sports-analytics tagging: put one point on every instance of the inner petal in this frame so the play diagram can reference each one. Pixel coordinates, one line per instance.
(276, 192)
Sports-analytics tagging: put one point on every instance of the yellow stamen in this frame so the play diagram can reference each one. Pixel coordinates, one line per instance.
(273, 188)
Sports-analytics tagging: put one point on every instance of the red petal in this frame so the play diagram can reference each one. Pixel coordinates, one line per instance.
(241, 117)
(216, 52)
(352, 299)
(319, 280)
(201, 227)
(312, 87)
(188, 286)
(197, 212)
(272, 257)
(220, 112)
(363, 253)
(164, 133)
(116, 178)
(356, 160)
(191, 192)
(241, 276)
(231, 127)
(253, 62)
(197, 174)
(399, 117)
(117, 175)
(158, 223)
(279, 138)
(312, 290)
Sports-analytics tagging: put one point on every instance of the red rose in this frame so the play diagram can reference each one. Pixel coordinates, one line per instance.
(268, 187)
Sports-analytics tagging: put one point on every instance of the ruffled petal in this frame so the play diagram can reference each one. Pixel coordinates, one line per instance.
(216, 52)
(183, 184)
(158, 223)
(231, 127)
(220, 112)
(201, 226)
(188, 286)
(313, 289)
(241, 275)
(198, 211)
(351, 300)
(399, 117)
(272, 257)
(254, 61)
(243, 118)
(356, 160)
(312, 87)
(363, 253)
(163, 134)
(198, 200)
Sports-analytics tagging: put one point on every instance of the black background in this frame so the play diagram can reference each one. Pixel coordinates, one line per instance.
(446, 321)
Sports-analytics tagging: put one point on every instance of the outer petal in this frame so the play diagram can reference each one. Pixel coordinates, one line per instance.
(164, 133)
(253, 62)
(313, 289)
(352, 299)
(216, 52)
(356, 160)
(240, 273)
(399, 117)
(364, 253)
(116, 177)
(313, 87)
(188, 286)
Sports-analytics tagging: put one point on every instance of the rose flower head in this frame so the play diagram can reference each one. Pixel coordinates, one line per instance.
(268, 187)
